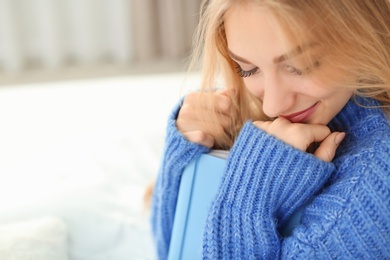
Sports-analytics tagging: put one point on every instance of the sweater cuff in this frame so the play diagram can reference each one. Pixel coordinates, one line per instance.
(178, 153)
(278, 177)
(178, 150)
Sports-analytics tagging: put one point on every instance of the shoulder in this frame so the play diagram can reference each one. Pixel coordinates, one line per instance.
(359, 188)
(366, 146)
(350, 215)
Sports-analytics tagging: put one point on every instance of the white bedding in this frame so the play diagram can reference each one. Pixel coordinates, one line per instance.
(83, 151)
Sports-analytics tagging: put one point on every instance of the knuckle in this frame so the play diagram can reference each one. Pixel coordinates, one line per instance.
(259, 124)
(185, 111)
(326, 154)
(180, 124)
(224, 104)
(329, 154)
(191, 98)
(296, 131)
(199, 136)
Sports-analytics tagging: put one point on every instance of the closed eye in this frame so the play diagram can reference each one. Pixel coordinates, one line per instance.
(299, 72)
(292, 70)
(245, 73)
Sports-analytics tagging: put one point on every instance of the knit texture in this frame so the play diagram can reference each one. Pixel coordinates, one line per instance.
(178, 153)
(346, 202)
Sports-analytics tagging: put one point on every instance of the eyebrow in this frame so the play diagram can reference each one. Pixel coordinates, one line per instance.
(295, 52)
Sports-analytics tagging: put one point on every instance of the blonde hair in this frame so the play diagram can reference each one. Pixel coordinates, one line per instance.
(354, 34)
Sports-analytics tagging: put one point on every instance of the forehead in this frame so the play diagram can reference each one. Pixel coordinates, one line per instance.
(253, 29)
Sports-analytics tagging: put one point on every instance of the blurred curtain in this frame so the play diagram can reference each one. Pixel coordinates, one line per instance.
(52, 34)
(164, 27)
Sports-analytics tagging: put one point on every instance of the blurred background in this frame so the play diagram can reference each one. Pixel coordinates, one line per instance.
(57, 39)
(86, 87)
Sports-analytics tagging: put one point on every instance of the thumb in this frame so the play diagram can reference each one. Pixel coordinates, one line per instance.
(327, 149)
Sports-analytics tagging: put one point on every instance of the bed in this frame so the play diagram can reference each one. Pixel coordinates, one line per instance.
(75, 159)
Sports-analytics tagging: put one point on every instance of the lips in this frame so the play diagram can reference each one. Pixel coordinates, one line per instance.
(301, 116)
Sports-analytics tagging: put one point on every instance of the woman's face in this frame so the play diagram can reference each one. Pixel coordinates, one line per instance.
(275, 72)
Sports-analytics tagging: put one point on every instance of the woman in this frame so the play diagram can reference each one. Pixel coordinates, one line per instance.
(305, 115)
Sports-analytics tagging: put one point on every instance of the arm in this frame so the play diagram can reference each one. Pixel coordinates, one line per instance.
(261, 189)
(189, 134)
(178, 153)
(265, 182)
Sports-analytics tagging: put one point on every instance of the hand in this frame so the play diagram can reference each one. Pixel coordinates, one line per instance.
(198, 123)
(301, 136)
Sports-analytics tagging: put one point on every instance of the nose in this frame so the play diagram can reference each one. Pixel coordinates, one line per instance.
(278, 96)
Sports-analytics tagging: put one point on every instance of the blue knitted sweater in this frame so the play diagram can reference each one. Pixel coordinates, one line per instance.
(346, 202)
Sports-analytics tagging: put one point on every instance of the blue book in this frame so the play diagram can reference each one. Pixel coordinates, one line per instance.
(199, 184)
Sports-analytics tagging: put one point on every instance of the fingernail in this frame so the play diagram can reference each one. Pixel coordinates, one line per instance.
(339, 138)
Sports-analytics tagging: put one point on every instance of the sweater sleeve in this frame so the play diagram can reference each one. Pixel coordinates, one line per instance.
(178, 153)
(350, 218)
(266, 180)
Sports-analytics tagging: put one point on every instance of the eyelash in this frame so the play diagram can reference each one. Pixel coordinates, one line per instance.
(245, 73)
(293, 70)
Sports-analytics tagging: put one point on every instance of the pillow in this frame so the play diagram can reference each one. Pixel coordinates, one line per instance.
(36, 239)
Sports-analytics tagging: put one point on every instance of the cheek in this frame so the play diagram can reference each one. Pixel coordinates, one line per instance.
(254, 87)
(289, 85)
(330, 106)
(282, 84)
(312, 89)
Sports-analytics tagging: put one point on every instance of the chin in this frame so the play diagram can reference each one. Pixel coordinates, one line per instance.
(321, 116)
(319, 121)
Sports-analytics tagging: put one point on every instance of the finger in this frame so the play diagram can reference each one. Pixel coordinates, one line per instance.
(210, 125)
(200, 137)
(228, 92)
(304, 135)
(219, 101)
(223, 103)
(318, 133)
(187, 113)
(217, 119)
(263, 125)
(190, 119)
(327, 149)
